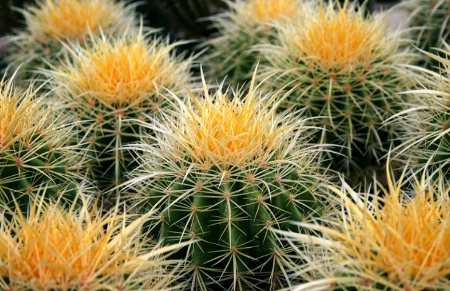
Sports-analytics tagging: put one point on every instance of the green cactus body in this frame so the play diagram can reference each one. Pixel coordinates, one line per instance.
(51, 25)
(224, 174)
(246, 23)
(343, 69)
(33, 150)
(111, 85)
(430, 26)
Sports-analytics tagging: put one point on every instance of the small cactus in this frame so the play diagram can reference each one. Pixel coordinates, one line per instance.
(246, 23)
(34, 149)
(344, 69)
(53, 248)
(109, 83)
(429, 22)
(222, 171)
(397, 242)
(50, 24)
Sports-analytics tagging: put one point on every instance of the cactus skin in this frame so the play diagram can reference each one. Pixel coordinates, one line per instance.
(110, 85)
(246, 23)
(348, 87)
(34, 149)
(398, 242)
(52, 24)
(429, 21)
(81, 248)
(224, 173)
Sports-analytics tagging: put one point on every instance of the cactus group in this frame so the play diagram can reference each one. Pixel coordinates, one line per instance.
(35, 153)
(399, 242)
(246, 23)
(52, 24)
(345, 69)
(107, 86)
(224, 170)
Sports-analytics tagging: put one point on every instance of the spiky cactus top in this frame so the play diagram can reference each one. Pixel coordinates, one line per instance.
(397, 242)
(244, 24)
(222, 172)
(429, 21)
(114, 80)
(51, 23)
(34, 149)
(343, 68)
(52, 248)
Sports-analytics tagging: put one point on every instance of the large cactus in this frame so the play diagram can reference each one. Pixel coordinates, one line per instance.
(109, 83)
(429, 21)
(81, 248)
(397, 242)
(245, 24)
(51, 24)
(223, 172)
(345, 70)
(34, 149)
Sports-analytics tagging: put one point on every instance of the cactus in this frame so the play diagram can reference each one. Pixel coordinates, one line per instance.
(397, 242)
(429, 141)
(108, 84)
(81, 248)
(430, 26)
(50, 24)
(34, 149)
(222, 172)
(245, 24)
(344, 69)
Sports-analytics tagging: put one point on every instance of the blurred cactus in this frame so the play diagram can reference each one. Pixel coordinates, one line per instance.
(223, 171)
(246, 23)
(110, 84)
(52, 24)
(345, 70)
(429, 21)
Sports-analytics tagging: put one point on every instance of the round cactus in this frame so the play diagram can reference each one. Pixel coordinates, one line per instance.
(34, 149)
(429, 141)
(223, 172)
(429, 24)
(344, 69)
(397, 242)
(110, 83)
(51, 24)
(245, 24)
(53, 248)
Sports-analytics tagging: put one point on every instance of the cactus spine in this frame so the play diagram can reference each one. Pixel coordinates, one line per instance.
(108, 84)
(343, 68)
(51, 24)
(53, 248)
(245, 24)
(397, 242)
(34, 151)
(224, 172)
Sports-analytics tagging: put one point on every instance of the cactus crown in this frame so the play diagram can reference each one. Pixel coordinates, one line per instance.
(337, 38)
(21, 116)
(220, 131)
(265, 11)
(56, 248)
(55, 19)
(122, 70)
(404, 243)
